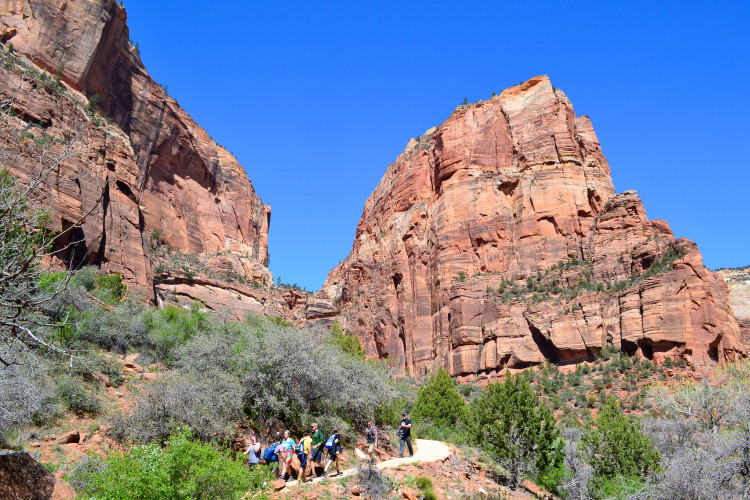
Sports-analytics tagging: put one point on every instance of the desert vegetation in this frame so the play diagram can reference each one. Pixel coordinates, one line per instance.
(617, 428)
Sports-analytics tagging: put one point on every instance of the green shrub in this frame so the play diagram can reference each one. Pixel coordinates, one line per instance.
(616, 447)
(618, 487)
(388, 412)
(118, 330)
(608, 351)
(350, 344)
(439, 402)
(109, 288)
(552, 478)
(113, 371)
(183, 470)
(75, 397)
(93, 103)
(423, 483)
(210, 403)
(516, 429)
(575, 378)
(171, 327)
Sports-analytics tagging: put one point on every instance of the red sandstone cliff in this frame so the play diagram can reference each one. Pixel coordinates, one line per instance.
(738, 281)
(497, 240)
(164, 183)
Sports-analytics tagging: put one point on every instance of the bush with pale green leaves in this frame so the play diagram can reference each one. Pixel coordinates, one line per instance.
(184, 469)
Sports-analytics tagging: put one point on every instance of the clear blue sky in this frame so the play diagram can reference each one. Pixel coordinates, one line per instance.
(316, 99)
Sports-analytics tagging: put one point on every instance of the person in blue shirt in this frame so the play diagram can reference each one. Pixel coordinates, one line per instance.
(333, 451)
(287, 447)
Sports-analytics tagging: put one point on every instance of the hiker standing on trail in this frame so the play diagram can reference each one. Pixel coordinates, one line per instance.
(304, 454)
(253, 453)
(372, 441)
(405, 435)
(333, 445)
(287, 447)
(317, 444)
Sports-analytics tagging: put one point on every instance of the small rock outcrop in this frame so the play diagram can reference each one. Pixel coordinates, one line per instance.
(498, 240)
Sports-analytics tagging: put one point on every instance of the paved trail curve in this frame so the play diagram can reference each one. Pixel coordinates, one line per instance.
(427, 451)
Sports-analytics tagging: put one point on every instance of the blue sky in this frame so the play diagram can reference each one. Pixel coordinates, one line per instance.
(316, 99)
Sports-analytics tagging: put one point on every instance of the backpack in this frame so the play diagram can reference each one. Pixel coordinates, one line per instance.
(300, 448)
(329, 443)
(270, 454)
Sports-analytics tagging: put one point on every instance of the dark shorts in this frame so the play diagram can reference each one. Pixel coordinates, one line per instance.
(332, 453)
(317, 456)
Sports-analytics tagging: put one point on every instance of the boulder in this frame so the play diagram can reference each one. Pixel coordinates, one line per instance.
(407, 493)
(69, 437)
(23, 478)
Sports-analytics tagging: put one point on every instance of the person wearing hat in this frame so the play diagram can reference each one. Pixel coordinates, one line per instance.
(405, 435)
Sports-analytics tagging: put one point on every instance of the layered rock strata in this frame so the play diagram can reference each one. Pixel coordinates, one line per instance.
(498, 240)
(137, 170)
(738, 281)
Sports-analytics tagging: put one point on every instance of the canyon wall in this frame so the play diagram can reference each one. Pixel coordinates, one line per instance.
(160, 202)
(498, 240)
(738, 281)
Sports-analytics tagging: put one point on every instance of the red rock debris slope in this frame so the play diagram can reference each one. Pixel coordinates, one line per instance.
(498, 240)
(164, 182)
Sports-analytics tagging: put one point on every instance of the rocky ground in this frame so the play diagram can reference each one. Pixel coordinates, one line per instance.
(451, 477)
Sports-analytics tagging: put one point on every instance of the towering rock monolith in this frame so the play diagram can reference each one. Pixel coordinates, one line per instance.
(498, 240)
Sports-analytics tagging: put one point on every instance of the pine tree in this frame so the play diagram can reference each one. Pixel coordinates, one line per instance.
(516, 429)
(616, 447)
(439, 402)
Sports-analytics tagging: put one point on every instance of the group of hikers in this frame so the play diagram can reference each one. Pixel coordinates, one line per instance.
(314, 451)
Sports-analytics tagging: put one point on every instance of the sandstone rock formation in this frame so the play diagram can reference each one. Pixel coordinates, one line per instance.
(162, 181)
(498, 240)
(738, 281)
(22, 477)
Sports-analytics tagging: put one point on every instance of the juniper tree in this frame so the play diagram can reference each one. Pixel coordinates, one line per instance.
(616, 448)
(439, 402)
(511, 424)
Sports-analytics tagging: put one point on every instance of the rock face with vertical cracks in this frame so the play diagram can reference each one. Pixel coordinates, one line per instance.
(161, 180)
(498, 240)
(738, 281)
